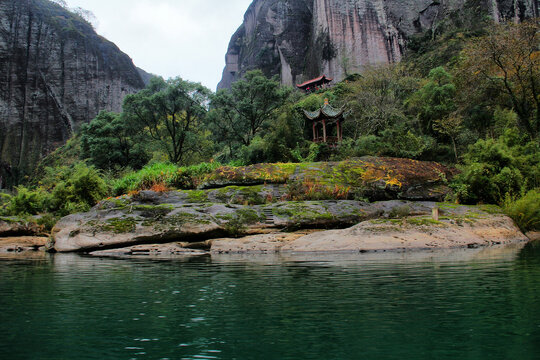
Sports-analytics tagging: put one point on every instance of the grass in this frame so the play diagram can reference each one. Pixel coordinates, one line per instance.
(525, 211)
(163, 176)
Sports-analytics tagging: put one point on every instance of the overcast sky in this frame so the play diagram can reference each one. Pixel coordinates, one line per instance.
(186, 38)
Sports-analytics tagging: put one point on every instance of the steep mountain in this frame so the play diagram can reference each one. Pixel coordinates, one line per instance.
(56, 73)
(302, 39)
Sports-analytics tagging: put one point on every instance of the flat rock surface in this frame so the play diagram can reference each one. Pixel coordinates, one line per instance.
(22, 244)
(263, 243)
(387, 236)
(151, 250)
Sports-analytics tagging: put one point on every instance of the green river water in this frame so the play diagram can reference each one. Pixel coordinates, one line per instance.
(468, 304)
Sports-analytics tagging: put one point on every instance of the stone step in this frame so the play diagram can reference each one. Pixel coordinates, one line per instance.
(269, 216)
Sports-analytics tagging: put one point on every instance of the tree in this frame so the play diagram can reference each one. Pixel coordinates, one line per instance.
(240, 113)
(170, 112)
(450, 126)
(435, 100)
(110, 141)
(376, 99)
(507, 62)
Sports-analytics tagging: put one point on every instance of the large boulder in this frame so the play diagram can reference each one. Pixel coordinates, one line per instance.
(157, 218)
(460, 227)
(372, 178)
(172, 218)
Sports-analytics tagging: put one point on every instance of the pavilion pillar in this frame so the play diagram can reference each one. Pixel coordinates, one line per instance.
(314, 131)
(338, 131)
(324, 130)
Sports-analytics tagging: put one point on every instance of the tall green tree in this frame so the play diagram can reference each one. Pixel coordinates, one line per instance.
(171, 113)
(110, 141)
(241, 112)
(435, 101)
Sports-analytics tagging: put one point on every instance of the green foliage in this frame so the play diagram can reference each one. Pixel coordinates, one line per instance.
(62, 192)
(375, 100)
(79, 191)
(496, 169)
(435, 100)
(26, 202)
(163, 175)
(111, 141)
(64, 157)
(525, 210)
(242, 112)
(171, 113)
(146, 178)
(399, 141)
(312, 153)
(189, 177)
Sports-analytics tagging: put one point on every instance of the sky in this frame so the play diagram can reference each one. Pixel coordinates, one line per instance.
(187, 38)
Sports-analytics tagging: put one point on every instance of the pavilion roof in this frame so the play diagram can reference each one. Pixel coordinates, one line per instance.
(326, 111)
(322, 78)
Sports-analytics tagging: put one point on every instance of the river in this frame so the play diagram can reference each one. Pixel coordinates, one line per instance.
(465, 304)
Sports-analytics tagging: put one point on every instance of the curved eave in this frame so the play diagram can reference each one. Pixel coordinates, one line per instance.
(312, 115)
(322, 78)
(330, 112)
(326, 111)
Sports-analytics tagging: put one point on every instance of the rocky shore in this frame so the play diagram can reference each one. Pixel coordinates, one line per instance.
(311, 226)
(278, 208)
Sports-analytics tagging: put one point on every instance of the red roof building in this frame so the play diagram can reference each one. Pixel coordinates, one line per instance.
(315, 84)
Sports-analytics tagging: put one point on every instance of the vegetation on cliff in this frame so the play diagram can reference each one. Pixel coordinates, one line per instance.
(477, 110)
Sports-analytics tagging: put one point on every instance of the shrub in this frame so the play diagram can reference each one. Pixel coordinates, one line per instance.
(4, 201)
(27, 202)
(162, 176)
(144, 179)
(81, 189)
(496, 169)
(525, 211)
(190, 176)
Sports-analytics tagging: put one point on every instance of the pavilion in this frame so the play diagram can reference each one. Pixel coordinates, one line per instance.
(327, 124)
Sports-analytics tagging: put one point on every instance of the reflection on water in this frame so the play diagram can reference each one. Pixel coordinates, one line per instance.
(471, 304)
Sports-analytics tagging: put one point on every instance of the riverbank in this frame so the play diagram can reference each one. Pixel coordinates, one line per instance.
(280, 208)
(172, 227)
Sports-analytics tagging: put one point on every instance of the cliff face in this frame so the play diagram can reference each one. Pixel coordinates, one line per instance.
(302, 39)
(56, 73)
